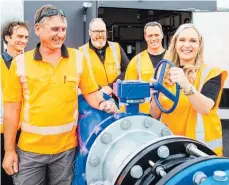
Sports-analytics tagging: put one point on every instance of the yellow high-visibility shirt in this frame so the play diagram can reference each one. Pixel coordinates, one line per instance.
(49, 97)
(4, 77)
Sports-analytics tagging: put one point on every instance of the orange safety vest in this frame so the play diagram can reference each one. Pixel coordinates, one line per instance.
(184, 120)
(144, 71)
(104, 73)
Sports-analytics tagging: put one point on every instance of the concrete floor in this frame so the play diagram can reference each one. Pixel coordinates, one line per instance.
(225, 125)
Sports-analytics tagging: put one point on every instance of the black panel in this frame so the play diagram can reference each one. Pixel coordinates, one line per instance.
(224, 103)
(162, 5)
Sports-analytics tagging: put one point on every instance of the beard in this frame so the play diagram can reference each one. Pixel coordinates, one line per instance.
(98, 44)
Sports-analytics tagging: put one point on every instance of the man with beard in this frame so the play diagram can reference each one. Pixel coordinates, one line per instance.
(15, 35)
(141, 67)
(107, 59)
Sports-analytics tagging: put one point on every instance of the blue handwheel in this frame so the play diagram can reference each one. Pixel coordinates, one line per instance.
(158, 86)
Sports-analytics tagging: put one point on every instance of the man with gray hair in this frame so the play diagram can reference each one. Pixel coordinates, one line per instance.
(141, 67)
(43, 90)
(107, 59)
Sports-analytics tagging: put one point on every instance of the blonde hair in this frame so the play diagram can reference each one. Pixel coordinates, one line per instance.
(190, 70)
(173, 56)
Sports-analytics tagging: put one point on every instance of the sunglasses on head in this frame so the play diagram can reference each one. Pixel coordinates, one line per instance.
(48, 13)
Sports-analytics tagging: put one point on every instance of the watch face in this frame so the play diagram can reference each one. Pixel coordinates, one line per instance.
(191, 91)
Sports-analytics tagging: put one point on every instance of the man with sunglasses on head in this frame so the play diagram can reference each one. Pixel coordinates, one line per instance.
(15, 35)
(107, 59)
(44, 86)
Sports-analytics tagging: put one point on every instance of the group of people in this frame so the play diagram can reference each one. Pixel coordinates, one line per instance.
(39, 90)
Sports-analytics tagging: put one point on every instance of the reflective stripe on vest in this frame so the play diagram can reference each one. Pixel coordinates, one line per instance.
(139, 72)
(115, 55)
(85, 50)
(200, 131)
(86, 53)
(79, 70)
(50, 130)
(139, 66)
(114, 52)
(79, 62)
(20, 62)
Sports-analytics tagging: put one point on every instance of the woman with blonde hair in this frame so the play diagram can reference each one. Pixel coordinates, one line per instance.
(201, 87)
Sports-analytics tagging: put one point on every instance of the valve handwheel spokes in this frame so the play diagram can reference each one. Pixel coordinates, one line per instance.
(160, 88)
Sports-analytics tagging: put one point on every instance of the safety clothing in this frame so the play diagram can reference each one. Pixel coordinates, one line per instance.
(1, 100)
(141, 68)
(4, 76)
(184, 120)
(49, 97)
(107, 72)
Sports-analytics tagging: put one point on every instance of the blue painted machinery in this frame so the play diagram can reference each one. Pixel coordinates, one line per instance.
(131, 148)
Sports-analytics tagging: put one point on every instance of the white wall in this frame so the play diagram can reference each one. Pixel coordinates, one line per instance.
(223, 4)
(214, 27)
(11, 10)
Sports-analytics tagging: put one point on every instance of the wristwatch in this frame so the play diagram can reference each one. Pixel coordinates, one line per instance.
(192, 90)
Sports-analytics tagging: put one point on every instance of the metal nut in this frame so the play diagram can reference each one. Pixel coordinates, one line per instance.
(147, 123)
(125, 124)
(163, 152)
(94, 161)
(199, 177)
(166, 132)
(136, 171)
(106, 138)
(220, 176)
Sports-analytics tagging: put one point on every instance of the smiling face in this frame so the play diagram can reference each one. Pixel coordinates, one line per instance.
(19, 39)
(153, 36)
(98, 34)
(52, 32)
(187, 46)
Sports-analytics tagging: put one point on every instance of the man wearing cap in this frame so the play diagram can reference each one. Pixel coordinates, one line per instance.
(44, 86)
